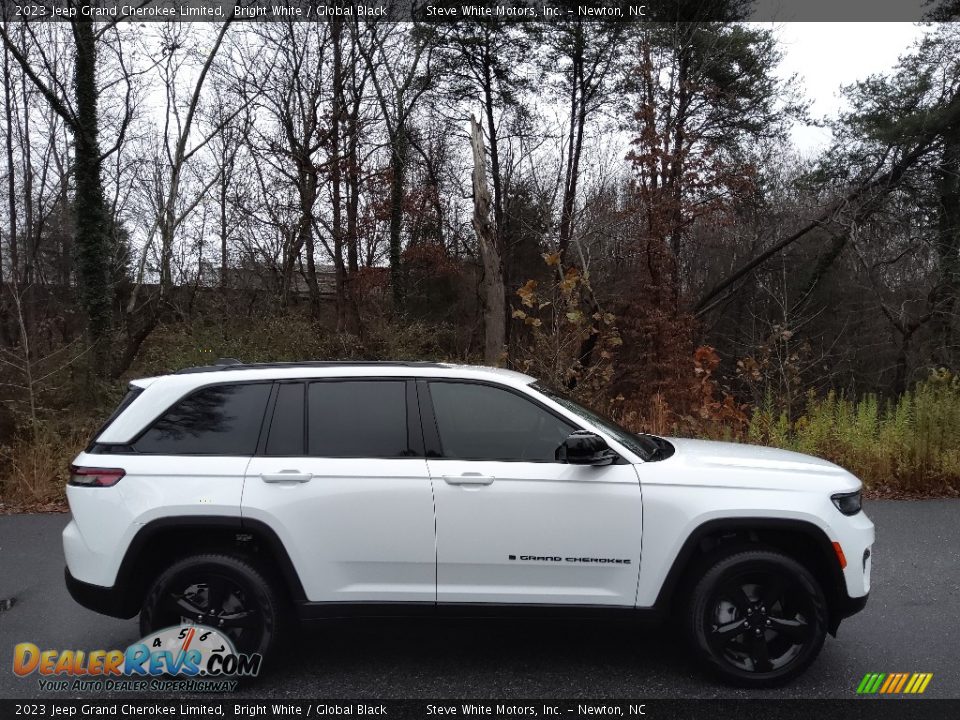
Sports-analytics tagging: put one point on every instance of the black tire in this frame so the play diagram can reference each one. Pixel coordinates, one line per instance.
(757, 618)
(206, 587)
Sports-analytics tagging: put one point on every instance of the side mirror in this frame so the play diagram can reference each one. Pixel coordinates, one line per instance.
(585, 448)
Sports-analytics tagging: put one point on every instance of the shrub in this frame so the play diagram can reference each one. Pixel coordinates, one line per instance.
(904, 446)
(36, 466)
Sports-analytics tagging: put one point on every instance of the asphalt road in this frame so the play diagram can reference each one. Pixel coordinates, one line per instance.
(911, 624)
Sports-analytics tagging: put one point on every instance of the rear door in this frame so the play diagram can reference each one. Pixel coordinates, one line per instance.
(342, 479)
(514, 526)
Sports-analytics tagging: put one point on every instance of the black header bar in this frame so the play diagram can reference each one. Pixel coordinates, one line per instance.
(246, 708)
(452, 11)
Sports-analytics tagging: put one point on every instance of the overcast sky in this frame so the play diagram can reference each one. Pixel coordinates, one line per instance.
(830, 55)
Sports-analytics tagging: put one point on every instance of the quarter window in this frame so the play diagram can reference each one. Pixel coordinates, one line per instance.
(480, 422)
(357, 418)
(216, 420)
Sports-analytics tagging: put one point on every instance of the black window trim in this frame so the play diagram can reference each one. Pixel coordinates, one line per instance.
(269, 417)
(270, 396)
(434, 448)
(423, 437)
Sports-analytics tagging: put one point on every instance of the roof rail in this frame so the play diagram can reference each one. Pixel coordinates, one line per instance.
(234, 364)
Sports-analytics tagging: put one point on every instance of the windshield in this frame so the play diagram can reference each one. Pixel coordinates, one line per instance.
(648, 447)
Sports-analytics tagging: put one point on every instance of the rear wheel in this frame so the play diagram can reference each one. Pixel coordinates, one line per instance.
(220, 591)
(757, 618)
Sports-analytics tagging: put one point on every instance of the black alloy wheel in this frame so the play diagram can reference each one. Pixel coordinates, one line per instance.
(758, 617)
(219, 591)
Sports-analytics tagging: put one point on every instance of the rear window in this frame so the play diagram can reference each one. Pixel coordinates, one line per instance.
(133, 392)
(215, 420)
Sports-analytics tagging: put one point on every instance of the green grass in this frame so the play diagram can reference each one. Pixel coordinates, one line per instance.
(910, 445)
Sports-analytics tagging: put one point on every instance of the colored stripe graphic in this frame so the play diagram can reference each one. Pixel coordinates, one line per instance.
(891, 679)
(894, 683)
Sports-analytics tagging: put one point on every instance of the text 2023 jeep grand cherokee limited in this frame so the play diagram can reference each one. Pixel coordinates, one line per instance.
(244, 497)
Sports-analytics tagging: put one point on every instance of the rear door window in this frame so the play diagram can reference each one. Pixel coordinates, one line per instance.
(358, 418)
(215, 420)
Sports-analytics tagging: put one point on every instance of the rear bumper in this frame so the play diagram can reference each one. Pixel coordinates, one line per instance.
(110, 601)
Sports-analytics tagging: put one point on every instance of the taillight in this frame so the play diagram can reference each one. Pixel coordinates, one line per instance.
(94, 477)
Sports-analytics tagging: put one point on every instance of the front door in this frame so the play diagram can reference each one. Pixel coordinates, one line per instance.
(342, 478)
(513, 524)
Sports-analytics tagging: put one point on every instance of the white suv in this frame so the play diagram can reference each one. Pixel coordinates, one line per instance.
(244, 497)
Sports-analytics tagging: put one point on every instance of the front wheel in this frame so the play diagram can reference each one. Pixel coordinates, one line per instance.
(758, 618)
(220, 591)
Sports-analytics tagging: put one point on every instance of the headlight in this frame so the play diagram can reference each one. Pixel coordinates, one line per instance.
(848, 503)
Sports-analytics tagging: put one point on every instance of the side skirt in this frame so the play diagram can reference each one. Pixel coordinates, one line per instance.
(333, 610)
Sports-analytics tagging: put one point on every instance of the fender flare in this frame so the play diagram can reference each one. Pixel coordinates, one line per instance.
(835, 589)
(130, 567)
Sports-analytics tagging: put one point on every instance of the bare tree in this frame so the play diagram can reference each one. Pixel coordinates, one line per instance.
(400, 69)
(495, 306)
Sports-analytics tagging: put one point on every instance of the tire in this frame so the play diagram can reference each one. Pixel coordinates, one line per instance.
(252, 609)
(757, 618)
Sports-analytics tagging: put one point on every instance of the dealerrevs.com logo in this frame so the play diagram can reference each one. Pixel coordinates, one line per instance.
(193, 658)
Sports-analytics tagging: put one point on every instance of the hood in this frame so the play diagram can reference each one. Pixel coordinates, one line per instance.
(724, 464)
(709, 453)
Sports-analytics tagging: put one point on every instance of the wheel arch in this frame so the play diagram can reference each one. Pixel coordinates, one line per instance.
(161, 542)
(802, 540)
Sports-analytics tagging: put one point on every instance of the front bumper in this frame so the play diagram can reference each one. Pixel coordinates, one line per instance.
(110, 601)
(844, 608)
(851, 606)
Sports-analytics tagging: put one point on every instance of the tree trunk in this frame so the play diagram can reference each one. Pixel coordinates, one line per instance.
(578, 118)
(493, 289)
(494, 158)
(344, 306)
(224, 182)
(91, 244)
(11, 172)
(398, 168)
(308, 197)
(353, 212)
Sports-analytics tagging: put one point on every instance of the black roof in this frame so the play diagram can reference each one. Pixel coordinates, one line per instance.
(234, 364)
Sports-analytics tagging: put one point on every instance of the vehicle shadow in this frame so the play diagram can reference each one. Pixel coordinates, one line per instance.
(437, 658)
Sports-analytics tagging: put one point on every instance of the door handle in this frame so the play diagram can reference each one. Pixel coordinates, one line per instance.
(468, 479)
(285, 476)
